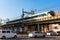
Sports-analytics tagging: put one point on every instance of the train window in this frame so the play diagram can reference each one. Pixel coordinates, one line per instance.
(41, 15)
(44, 15)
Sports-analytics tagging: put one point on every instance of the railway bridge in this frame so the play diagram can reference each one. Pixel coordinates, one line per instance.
(40, 24)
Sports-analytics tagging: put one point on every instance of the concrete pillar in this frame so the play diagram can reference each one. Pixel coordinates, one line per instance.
(38, 26)
(42, 28)
(45, 28)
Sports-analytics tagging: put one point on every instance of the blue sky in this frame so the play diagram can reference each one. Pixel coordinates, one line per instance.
(12, 8)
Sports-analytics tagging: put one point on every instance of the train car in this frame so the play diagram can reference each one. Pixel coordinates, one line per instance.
(41, 15)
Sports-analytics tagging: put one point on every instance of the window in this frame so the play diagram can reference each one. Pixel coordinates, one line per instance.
(58, 31)
(36, 32)
(8, 31)
(41, 15)
(55, 27)
(13, 31)
(3, 31)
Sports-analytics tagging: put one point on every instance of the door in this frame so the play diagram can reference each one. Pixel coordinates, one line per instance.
(8, 34)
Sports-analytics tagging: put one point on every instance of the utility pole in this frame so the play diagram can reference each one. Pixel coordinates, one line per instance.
(22, 20)
(32, 12)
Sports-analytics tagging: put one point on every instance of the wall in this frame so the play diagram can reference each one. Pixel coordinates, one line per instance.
(55, 27)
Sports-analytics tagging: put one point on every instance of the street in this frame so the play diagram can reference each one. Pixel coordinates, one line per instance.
(46, 38)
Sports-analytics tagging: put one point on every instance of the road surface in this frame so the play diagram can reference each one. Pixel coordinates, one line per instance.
(26, 38)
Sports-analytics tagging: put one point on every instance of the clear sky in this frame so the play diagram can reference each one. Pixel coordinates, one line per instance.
(12, 8)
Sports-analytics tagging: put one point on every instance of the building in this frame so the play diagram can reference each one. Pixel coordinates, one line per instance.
(57, 13)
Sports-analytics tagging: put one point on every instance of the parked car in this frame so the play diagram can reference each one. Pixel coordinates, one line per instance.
(58, 33)
(51, 33)
(36, 34)
(7, 34)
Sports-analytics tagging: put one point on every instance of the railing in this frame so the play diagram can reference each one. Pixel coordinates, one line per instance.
(43, 19)
(48, 18)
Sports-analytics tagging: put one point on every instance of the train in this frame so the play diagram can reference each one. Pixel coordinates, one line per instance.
(41, 15)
